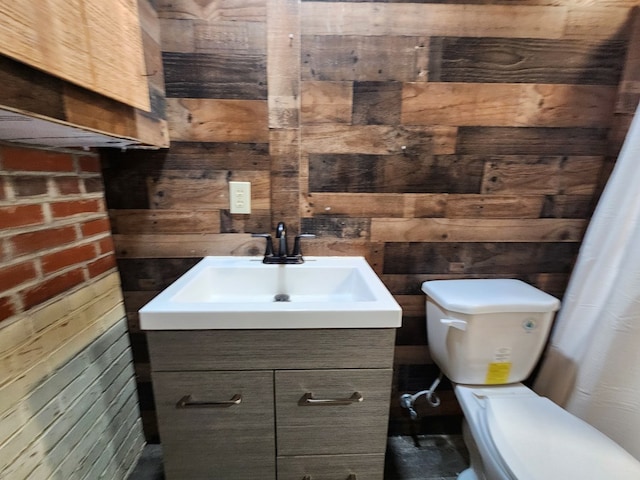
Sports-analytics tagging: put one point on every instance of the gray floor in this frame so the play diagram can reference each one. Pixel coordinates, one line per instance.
(434, 457)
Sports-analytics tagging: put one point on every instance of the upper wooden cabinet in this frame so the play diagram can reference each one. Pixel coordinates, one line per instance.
(92, 43)
(81, 64)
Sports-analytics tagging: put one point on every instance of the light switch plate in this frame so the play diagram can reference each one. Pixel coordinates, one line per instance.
(240, 197)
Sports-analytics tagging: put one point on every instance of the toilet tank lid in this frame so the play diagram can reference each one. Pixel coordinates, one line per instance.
(478, 296)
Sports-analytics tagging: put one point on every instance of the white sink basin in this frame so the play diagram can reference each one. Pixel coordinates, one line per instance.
(244, 293)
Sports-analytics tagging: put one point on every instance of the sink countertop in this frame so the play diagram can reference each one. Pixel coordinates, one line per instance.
(225, 292)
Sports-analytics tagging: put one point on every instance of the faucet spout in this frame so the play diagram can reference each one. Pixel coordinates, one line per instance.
(282, 256)
(281, 234)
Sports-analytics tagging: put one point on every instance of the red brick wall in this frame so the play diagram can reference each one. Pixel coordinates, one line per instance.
(54, 228)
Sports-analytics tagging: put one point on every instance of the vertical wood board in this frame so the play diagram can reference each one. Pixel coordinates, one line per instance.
(283, 66)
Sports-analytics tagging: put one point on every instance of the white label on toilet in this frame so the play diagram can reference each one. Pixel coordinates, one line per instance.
(502, 355)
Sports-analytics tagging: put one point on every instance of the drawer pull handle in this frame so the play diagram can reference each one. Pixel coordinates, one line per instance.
(307, 399)
(186, 402)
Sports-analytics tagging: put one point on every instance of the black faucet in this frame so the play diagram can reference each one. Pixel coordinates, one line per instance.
(282, 256)
(281, 233)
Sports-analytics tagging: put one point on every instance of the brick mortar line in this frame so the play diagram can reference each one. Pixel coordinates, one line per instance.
(58, 248)
(16, 290)
(46, 198)
(54, 223)
(47, 173)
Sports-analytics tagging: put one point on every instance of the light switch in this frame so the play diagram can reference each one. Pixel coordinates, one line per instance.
(240, 197)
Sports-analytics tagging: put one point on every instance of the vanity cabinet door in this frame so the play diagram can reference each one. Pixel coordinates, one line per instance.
(216, 425)
(321, 412)
(332, 467)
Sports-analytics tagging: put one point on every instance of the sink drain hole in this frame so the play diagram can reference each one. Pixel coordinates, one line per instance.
(281, 297)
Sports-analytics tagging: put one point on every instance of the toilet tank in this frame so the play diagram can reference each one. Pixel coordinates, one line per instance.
(487, 331)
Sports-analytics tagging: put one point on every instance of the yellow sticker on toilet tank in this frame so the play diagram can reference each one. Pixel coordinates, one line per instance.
(497, 373)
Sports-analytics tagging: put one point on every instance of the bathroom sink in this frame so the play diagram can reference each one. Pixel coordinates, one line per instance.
(244, 293)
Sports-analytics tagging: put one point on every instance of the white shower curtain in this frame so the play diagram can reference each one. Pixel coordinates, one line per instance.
(592, 366)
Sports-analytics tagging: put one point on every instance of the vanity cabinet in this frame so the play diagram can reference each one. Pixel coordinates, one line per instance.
(313, 404)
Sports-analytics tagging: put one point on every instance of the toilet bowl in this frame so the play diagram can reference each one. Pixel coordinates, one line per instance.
(514, 434)
(486, 336)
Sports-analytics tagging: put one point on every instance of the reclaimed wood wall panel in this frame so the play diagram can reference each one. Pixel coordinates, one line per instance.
(134, 221)
(215, 75)
(439, 140)
(597, 21)
(186, 245)
(518, 205)
(629, 88)
(43, 98)
(217, 120)
(507, 105)
(408, 173)
(154, 274)
(415, 19)
(505, 60)
(564, 175)
(477, 258)
(355, 204)
(325, 102)
(377, 103)
(284, 176)
(214, 11)
(474, 230)
(378, 139)
(283, 72)
(192, 156)
(541, 141)
(362, 57)
(179, 190)
(283, 66)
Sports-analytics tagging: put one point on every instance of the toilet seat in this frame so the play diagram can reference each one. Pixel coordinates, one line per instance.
(532, 438)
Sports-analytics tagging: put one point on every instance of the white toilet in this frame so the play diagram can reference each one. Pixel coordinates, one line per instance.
(486, 336)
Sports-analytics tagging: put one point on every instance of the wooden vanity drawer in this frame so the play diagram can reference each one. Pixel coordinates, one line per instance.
(202, 440)
(332, 467)
(172, 350)
(313, 428)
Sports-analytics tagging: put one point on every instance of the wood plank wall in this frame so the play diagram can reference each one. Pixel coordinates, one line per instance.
(445, 139)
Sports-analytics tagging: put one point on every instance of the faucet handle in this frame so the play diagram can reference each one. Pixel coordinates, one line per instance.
(297, 251)
(269, 248)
